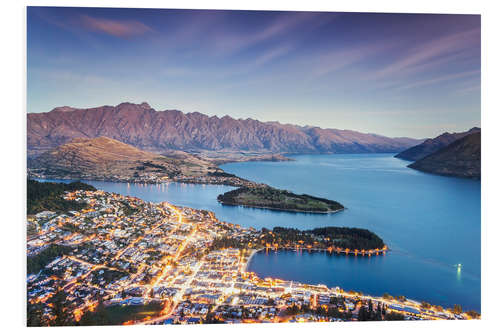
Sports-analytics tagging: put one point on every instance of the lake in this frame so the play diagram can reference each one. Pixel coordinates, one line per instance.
(431, 223)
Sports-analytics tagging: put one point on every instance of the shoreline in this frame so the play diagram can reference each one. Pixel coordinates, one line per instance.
(283, 209)
(252, 254)
(337, 252)
(38, 178)
(130, 181)
(367, 253)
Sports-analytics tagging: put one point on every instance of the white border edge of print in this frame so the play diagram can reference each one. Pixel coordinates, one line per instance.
(14, 126)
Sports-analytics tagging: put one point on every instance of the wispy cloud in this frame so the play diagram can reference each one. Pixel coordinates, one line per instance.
(231, 70)
(117, 28)
(439, 79)
(71, 78)
(273, 54)
(468, 89)
(336, 60)
(430, 53)
(232, 42)
(179, 72)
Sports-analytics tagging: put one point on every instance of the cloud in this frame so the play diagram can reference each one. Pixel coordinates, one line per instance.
(469, 89)
(337, 60)
(273, 54)
(177, 71)
(70, 78)
(440, 79)
(231, 42)
(428, 53)
(116, 28)
(332, 61)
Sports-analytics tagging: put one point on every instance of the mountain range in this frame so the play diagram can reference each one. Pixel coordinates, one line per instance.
(143, 127)
(461, 158)
(430, 146)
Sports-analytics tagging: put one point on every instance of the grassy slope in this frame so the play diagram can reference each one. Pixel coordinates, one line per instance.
(104, 157)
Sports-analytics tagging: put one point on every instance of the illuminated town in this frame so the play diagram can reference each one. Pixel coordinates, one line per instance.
(123, 252)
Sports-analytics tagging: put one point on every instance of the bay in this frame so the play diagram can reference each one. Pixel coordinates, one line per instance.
(431, 223)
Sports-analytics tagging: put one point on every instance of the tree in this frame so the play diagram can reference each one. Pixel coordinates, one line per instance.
(425, 305)
(270, 302)
(48, 196)
(97, 316)
(348, 314)
(394, 316)
(363, 314)
(292, 310)
(35, 315)
(333, 312)
(473, 314)
(211, 318)
(387, 296)
(457, 309)
(38, 262)
(60, 310)
(378, 314)
(401, 298)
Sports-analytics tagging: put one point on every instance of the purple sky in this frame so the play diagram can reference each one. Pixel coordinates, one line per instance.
(391, 74)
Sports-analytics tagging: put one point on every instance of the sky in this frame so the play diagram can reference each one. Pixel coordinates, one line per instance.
(412, 75)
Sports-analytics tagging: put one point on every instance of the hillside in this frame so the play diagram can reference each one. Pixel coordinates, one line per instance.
(48, 196)
(143, 127)
(430, 146)
(107, 159)
(462, 158)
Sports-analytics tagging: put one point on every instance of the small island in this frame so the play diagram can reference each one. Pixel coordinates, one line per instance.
(271, 198)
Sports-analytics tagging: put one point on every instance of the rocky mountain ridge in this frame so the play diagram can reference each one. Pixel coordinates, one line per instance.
(461, 158)
(143, 127)
(430, 146)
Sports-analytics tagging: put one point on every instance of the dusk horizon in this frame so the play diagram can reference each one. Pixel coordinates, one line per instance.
(282, 121)
(305, 68)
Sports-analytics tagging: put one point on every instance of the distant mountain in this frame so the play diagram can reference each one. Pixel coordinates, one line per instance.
(461, 158)
(109, 159)
(157, 131)
(430, 146)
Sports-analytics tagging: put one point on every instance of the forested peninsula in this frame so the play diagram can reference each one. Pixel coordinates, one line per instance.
(272, 198)
(48, 196)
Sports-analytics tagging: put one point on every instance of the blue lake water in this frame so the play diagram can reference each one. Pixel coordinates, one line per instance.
(431, 223)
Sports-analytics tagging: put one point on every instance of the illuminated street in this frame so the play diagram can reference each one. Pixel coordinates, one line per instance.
(122, 251)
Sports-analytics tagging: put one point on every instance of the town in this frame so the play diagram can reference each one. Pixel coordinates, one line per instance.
(125, 261)
(212, 178)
